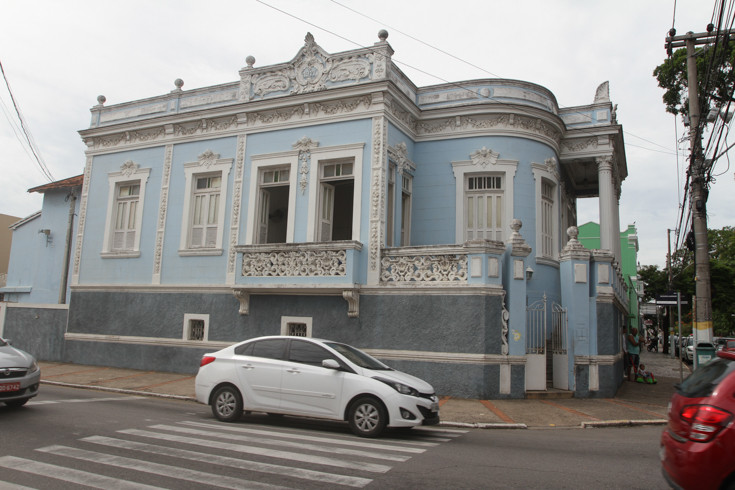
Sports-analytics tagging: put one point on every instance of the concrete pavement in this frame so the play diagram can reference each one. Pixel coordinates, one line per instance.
(634, 404)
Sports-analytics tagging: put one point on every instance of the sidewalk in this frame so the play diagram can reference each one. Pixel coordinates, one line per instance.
(634, 404)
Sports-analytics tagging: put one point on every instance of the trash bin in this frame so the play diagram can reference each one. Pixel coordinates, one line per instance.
(704, 352)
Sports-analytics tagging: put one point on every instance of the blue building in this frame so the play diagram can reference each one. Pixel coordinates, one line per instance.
(328, 196)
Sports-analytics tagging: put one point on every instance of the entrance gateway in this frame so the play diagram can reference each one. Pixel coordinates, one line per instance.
(547, 359)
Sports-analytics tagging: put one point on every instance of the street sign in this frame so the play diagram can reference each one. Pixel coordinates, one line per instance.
(669, 299)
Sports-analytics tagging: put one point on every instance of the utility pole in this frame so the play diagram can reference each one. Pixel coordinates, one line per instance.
(702, 322)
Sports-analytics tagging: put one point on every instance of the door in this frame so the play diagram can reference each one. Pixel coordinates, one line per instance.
(263, 211)
(307, 388)
(259, 368)
(326, 213)
(536, 346)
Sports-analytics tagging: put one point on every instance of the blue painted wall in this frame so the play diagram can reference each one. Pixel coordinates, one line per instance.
(36, 263)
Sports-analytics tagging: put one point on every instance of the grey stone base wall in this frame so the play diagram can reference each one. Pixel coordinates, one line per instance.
(421, 327)
(36, 330)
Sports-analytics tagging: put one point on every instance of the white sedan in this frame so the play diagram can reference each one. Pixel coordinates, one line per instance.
(313, 378)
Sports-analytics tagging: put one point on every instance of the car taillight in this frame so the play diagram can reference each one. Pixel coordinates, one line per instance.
(206, 360)
(706, 421)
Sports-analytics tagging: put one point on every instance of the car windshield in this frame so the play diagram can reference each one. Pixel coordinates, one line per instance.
(705, 379)
(358, 357)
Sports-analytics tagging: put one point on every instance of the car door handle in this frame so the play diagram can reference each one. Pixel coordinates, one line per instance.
(248, 366)
(293, 371)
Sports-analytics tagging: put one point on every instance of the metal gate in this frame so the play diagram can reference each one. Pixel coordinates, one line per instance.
(538, 357)
(559, 336)
(536, 345)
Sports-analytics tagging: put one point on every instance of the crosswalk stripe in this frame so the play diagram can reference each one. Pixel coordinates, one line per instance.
(242, 464)
(302, 437)
(156, 468)
(293, 445)
(261, 451)
(69, 474)
(84, 400)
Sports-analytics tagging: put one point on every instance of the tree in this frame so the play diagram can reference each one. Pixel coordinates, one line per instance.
(716, 78)
(722, 278)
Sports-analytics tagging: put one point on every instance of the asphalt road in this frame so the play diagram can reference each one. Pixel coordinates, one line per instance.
(74, 438)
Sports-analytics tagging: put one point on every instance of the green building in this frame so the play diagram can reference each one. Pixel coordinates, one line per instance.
(589, 236)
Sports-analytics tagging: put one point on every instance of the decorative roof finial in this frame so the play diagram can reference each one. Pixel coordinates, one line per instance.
(101, 99)
(250, 60)
(382, 35)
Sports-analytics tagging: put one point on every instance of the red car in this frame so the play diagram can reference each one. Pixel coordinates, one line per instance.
(698, 445)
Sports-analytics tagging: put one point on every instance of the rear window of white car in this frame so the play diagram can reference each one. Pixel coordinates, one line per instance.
(268, 348)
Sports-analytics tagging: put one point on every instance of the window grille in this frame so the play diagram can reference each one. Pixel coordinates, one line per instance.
(297, 329)
(196, 329)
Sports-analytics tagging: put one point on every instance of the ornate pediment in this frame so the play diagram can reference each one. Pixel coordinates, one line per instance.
(484, 157)
(311, 70)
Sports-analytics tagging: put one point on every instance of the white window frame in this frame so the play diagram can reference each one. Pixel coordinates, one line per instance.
(188, 317)
(390, 207)
(259, 163)
(287, 320)
(543, 173)
(204, 168)
(503, 168)
(352, 152)
(407, 191)
(496, 198)
(131, 174)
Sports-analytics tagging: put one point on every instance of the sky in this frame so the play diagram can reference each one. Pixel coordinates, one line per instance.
(58, 56)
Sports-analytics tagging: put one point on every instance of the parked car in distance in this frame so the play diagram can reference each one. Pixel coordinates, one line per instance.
(729, 345)
(688, 353)
(313, 378)
(19, 375)
(698, 445)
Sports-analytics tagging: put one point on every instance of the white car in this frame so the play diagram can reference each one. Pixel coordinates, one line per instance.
(313, 378)
(19, 375)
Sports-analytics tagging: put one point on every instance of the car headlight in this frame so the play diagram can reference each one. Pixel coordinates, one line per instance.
(33, 368)
(399, 387)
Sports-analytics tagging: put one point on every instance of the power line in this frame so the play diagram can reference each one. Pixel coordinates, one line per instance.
(31, 144)
(400, 62)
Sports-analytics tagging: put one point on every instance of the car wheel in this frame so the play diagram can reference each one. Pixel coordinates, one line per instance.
(227, 404)
(367, 417)
(17, 403)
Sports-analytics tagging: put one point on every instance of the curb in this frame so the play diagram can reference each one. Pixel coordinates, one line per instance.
(120, 390)
(478, 425)
(622, 423)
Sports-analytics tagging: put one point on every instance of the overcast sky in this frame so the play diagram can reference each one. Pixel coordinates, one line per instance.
(60, 55)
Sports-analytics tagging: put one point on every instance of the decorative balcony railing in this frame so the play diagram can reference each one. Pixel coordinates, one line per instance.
(324, 259)
(424, 265)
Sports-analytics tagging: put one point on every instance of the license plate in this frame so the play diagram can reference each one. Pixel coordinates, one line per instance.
(9, 387)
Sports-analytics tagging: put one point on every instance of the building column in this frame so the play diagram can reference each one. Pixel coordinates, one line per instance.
(607, 203)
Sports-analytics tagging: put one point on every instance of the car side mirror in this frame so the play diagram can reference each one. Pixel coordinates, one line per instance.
(331, 364)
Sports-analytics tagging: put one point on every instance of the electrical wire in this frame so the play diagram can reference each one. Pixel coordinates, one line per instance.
(31, 143)
(403, 63)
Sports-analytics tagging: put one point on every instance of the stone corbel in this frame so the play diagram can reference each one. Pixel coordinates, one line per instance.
(244, 298)
(352, 296)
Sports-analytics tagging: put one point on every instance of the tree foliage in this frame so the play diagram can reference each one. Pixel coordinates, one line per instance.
(715, 78)
(722, 278)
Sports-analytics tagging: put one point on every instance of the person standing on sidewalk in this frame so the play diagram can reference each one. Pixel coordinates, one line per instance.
(634, 351)
(626, 357)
